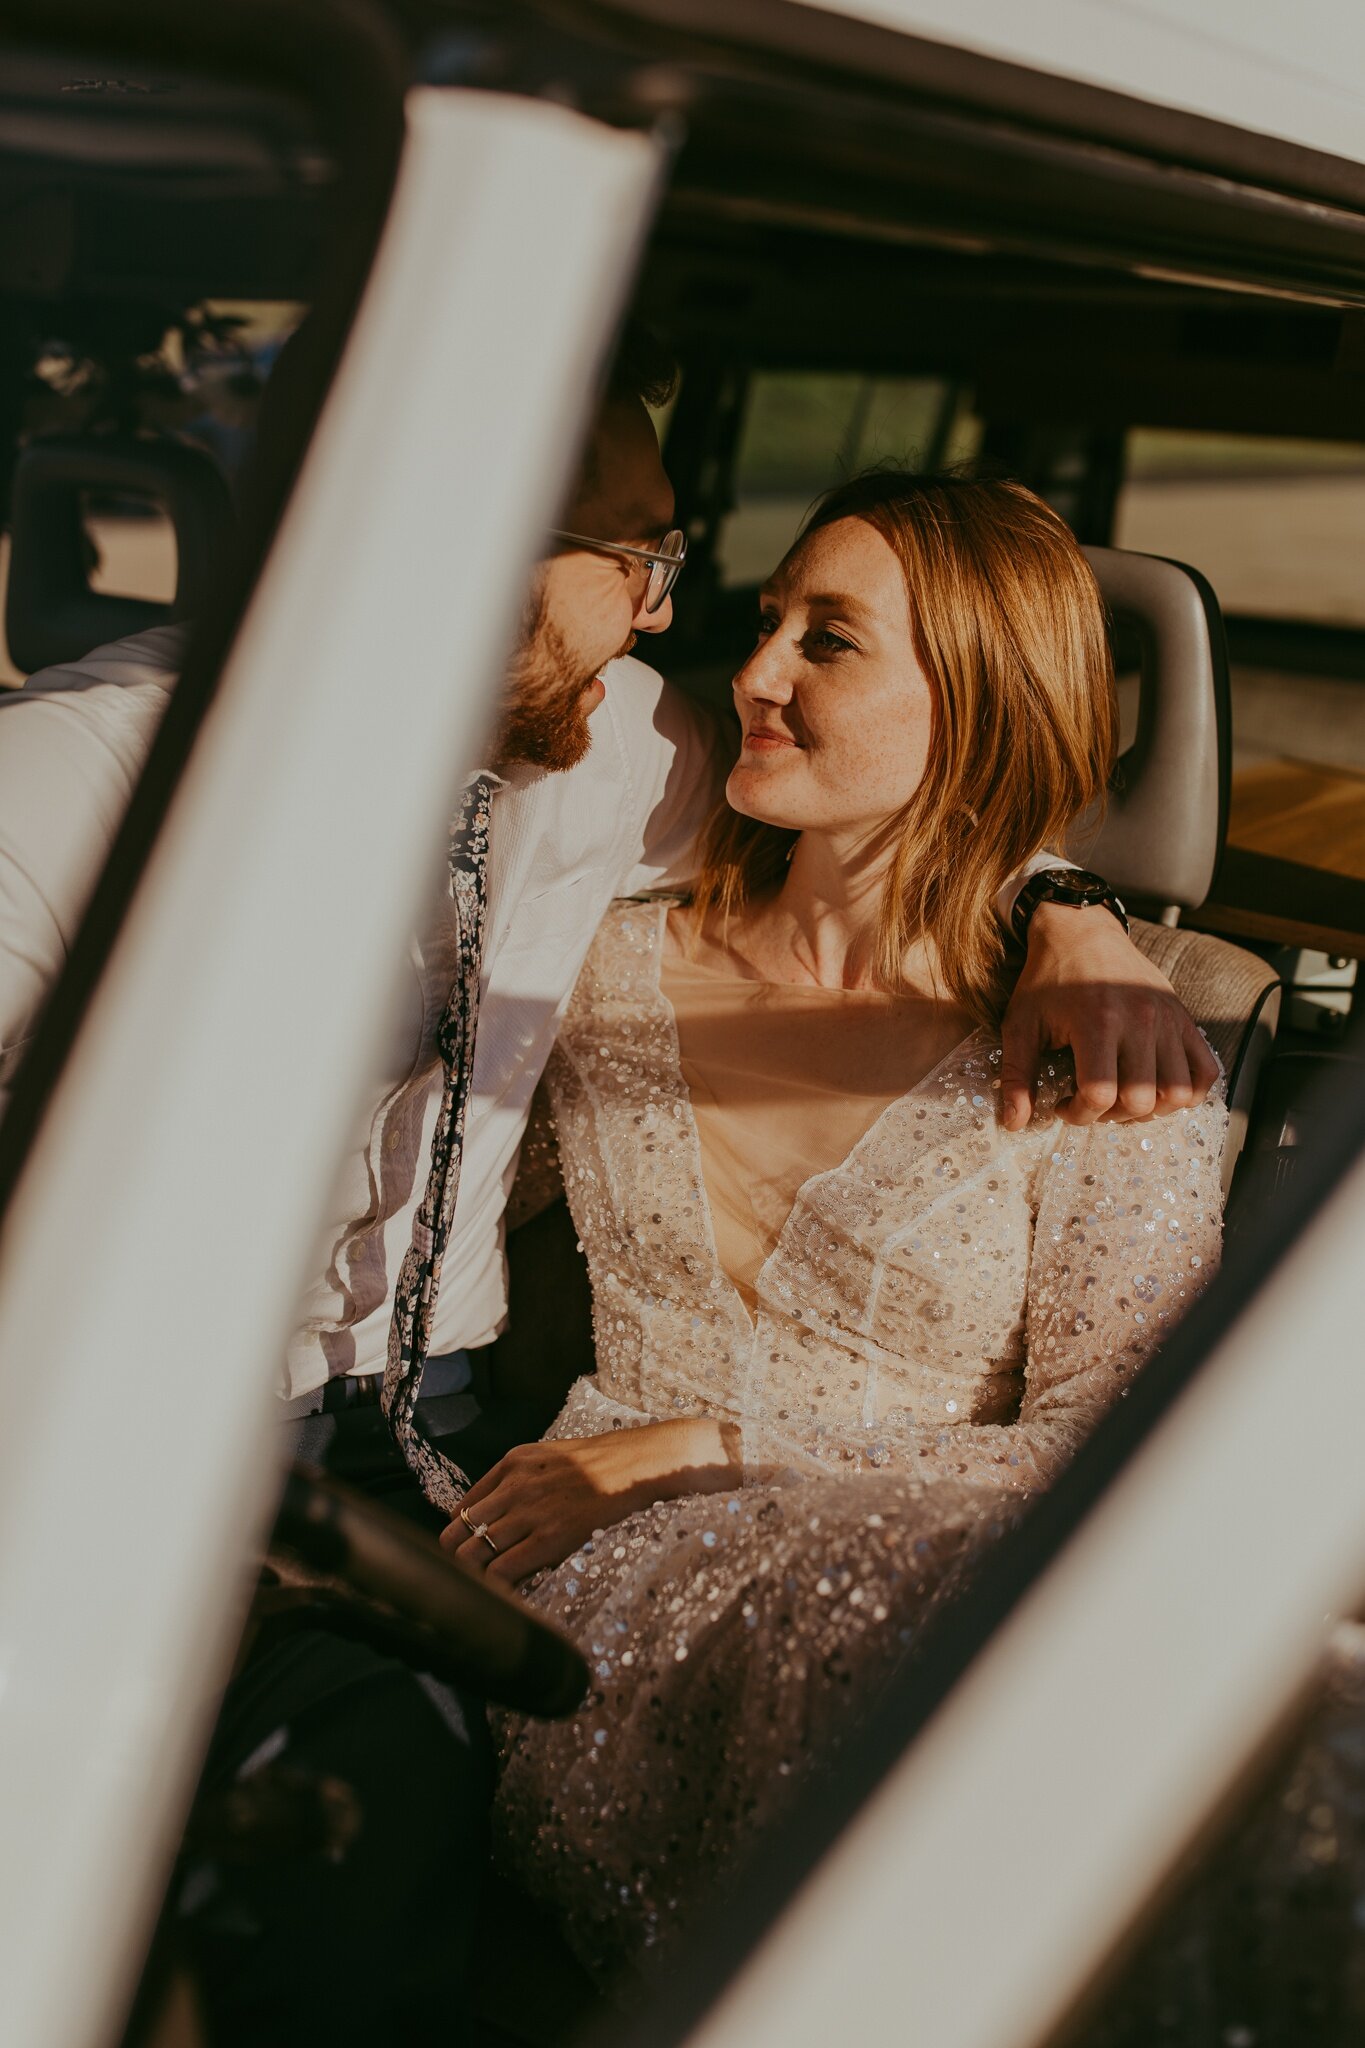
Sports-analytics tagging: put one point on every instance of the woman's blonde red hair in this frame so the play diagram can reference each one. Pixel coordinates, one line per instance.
(1009, 630)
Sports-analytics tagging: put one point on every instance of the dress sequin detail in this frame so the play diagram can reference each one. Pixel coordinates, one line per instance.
(735, 1638)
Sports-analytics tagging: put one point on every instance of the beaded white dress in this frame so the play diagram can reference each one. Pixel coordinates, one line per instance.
(734, 1639)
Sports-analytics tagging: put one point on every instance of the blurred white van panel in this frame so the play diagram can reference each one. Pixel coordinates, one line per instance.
(1294, 71)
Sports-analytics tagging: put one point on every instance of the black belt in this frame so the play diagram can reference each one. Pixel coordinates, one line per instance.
(352, 1390)
(448, 1374)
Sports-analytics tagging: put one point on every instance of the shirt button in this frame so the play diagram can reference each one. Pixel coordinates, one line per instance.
(391, 1139)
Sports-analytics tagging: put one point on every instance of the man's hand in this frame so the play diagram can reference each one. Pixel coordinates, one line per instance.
(542, 1501)
(1137, 1051)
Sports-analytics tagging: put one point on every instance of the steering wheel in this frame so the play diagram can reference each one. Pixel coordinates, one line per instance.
(391, 1585)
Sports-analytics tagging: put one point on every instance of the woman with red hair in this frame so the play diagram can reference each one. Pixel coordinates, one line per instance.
(846, 1321)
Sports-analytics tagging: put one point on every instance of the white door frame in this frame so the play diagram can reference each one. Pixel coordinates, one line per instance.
(157, 1243)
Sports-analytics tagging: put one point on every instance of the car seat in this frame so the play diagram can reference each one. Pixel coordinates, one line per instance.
(52, 615)
(1161, 835)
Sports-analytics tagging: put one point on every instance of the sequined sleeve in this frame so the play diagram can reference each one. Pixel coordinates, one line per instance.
(1126, 1232)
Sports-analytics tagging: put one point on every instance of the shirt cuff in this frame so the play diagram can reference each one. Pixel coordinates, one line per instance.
(1005, 901)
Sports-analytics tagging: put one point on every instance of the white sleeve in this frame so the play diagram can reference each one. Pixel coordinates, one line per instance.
(678, 761)
(1005, 901)
(72, 745)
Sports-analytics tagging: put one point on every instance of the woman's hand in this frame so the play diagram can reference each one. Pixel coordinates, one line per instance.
(543, 1500)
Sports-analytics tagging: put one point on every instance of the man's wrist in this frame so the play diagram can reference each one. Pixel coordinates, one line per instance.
(1009, 892)
(1063, 889)
(1051, 920)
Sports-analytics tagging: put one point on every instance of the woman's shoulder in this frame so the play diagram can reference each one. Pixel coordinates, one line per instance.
(1196, 1128)
(637, 922)
(622, 963)
(1184, 1144)
(970, 1075)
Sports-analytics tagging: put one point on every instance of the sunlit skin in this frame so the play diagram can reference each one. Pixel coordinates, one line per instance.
(836, 713)
(627, 498)
(837, 720)
(590, 606)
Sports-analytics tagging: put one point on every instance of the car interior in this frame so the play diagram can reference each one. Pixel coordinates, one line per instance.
(847, 277)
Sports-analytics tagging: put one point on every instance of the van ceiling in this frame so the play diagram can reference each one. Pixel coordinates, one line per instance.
(813, 216)
(143, 182)
(575, 47)
(786, 114)
(927, 215)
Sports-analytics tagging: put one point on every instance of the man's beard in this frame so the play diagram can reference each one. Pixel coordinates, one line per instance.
(545, 722)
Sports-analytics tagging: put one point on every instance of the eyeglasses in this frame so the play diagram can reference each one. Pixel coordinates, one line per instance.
(665, 561)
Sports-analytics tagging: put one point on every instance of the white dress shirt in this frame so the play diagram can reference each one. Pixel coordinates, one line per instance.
(562, 846)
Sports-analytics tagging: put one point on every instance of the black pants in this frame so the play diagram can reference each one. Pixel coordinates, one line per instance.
(358, 1926)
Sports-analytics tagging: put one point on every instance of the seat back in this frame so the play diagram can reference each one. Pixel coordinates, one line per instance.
(1161, 836)
(52, 615)
(1234, 997)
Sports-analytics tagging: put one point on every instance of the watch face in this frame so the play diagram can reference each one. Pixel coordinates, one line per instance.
(1078, 888)
(1073, 887)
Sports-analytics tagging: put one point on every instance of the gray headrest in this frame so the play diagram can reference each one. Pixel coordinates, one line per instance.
(51, 613)
(1163, 832)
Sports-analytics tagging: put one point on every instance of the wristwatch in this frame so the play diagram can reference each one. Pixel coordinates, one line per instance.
(1075, 887)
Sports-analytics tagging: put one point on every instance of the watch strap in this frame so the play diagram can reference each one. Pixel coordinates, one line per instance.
(1077, 888)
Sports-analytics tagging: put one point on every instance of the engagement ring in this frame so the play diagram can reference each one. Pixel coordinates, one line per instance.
(478, 1529)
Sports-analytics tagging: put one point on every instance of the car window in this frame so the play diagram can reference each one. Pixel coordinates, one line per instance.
(1277, 525)
(803, 431)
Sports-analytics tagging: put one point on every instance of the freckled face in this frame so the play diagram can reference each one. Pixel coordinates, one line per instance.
(836, 710)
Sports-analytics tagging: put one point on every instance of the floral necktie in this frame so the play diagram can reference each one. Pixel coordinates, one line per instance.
(419, 1276)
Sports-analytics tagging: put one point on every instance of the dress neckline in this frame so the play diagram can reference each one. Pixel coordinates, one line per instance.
(688, 1133)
